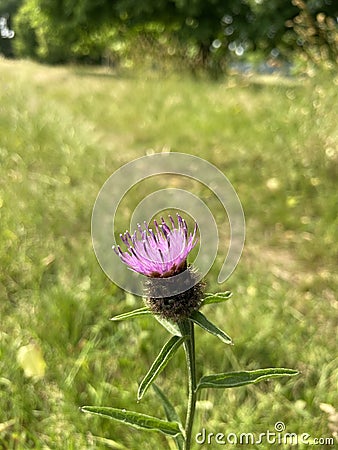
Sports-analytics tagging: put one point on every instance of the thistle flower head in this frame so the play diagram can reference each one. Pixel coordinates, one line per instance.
(160, 252)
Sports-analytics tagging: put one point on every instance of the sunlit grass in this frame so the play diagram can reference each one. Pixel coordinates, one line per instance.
(63, 131)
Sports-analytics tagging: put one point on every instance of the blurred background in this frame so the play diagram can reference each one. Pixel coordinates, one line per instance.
(195, 34)
(87, 86)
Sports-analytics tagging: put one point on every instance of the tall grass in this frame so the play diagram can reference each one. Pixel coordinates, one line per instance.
(63, 131)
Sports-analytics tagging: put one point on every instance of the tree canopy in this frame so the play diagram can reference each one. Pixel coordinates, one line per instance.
(202, 30)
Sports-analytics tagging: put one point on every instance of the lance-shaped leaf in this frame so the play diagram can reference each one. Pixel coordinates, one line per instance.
(204, 323)
(135, 419)
(132, 314)
(216, 298)
(166, 353)
(170, 326)
(236, 379)
(170, 413)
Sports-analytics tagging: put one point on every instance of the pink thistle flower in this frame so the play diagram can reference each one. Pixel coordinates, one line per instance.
(161, 253)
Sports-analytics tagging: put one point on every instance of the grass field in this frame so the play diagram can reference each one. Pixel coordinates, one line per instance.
(63, 131)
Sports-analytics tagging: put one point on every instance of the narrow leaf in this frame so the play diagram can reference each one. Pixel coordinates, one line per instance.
(135, 419)
(169, 409)
(170, 413)
(236, 379)
(204, 323)
(216, 298)
(170, 326)
(132, 314)
(166, 353)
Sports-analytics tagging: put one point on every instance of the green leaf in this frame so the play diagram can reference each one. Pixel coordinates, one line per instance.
(135, 419)
(132, 314)
(166, 353)
(170, 413)
(169, 409)
(236, 379)
(204, 323)
(216, 298)
(170, 326)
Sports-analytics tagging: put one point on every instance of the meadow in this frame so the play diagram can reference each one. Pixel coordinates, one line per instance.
(63, 132)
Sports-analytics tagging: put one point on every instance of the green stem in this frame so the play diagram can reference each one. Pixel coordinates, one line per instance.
(187, 329)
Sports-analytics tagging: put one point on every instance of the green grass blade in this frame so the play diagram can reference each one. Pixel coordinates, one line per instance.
(219, 297)
(237, 379)
(170, 326)
(170, 413)
(109, 443)
(135, 419)
(204, 323)
(165, 355)
(132, 314)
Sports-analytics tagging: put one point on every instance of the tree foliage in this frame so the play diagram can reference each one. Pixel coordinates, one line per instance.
(7, 9)
(202, 32)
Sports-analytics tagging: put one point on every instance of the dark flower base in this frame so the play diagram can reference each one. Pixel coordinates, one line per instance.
(161, 301)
